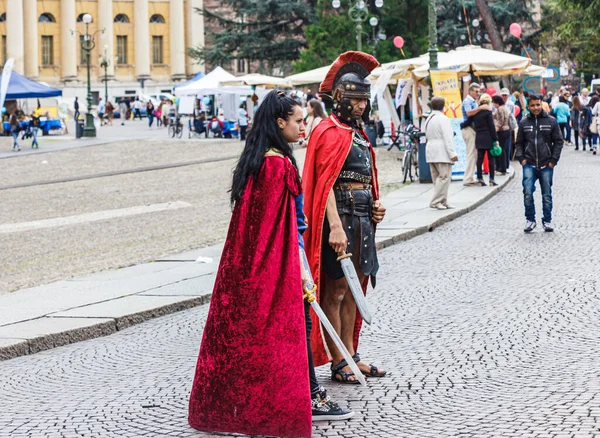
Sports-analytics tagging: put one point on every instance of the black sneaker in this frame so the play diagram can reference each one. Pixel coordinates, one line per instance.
(323, 409)
(548, 228)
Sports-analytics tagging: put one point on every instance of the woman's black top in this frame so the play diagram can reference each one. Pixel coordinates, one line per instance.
(485, 130)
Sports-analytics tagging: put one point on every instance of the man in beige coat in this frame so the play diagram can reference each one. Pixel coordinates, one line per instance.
(440, 153)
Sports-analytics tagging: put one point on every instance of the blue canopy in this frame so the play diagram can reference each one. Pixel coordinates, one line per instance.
(19, 87)
(199, 75)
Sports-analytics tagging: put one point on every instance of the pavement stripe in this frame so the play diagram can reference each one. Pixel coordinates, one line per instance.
(91, 217)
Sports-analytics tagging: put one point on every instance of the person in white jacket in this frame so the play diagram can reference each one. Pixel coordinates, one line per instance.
(440, 153)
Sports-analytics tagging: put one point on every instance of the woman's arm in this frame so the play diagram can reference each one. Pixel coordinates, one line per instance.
(491, 126)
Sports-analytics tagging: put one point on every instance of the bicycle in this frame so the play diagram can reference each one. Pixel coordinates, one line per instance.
(175, 127)
(411, 152)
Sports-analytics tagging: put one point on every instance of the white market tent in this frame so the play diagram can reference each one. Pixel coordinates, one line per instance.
(211, 84)
(255, 79)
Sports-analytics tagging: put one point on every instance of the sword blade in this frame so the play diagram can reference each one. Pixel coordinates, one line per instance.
(309, 288)
(356, 288)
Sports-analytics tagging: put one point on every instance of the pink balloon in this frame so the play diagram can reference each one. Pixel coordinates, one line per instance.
(491, 91)
(515, 30)
(399, 42)
(517, 111)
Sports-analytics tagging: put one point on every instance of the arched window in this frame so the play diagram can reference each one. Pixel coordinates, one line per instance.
(47, 18)
(157, 19)
(121, 18)
(3, 17)
(80, 18)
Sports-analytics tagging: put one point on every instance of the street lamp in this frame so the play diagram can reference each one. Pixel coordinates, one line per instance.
(105, 63)
(433, 36)
(87, 44)
(358, 12)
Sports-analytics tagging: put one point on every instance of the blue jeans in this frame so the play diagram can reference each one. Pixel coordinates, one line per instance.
(15, 136)
(530, 175)
(34, 132)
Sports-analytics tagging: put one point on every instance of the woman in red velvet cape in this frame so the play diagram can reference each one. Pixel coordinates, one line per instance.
(329, 146)
(252, 371)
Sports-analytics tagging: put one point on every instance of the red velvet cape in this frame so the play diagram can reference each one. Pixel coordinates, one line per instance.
(252, 371)
(328, 147)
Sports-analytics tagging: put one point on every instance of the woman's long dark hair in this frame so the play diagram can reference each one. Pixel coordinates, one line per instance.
(265, 134)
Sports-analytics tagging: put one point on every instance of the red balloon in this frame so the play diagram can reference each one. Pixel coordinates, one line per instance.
(491, 91)
(517, 111)
(515, 30)
(399, 42)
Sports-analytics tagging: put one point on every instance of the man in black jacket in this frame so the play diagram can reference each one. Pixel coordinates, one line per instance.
(539, 144)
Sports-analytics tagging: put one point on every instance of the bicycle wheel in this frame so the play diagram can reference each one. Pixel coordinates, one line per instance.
(406, 165)
(171, 131)
(416, 162)
(179, 131)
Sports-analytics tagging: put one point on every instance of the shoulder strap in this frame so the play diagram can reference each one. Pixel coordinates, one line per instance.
(427, 124)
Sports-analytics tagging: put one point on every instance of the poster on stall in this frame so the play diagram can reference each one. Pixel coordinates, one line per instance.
(446, 84)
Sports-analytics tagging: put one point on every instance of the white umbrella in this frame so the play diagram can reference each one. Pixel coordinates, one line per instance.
(255, 79)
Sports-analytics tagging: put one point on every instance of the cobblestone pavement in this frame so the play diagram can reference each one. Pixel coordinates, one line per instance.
(42, 256)
(486, 332)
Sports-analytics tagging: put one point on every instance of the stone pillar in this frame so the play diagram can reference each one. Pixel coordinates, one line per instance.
(31, 42)
(69, 44)
(194, 25)
(14, 34)
(177, 40)
(105, 21)
(141, 24)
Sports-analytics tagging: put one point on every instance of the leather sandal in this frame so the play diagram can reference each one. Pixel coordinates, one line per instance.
(345, 376)
(373, 372)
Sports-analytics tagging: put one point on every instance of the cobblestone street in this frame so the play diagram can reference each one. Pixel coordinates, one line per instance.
(487, 332)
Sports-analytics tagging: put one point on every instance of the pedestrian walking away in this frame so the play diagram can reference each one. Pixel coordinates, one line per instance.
(254, 373)
(575, 117)
(123, 111)
(539, 145)
(35, 126)
(137, 109)
(342, 206)
(76, 107)
(101, 111)
(150, 113)
(440, 153)
(561, 113)
(502, 121)
(485, 136)
(15, 128)
(470, 108)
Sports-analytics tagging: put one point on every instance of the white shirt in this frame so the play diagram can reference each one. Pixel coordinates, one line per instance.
(242, 117)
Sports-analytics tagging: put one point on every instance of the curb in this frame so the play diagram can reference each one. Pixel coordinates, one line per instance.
(49, 341)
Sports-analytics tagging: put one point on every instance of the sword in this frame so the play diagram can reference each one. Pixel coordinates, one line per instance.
(355, 286)
(309, 294)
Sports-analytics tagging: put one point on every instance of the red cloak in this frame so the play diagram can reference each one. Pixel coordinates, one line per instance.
(252, 371)
(328, 147)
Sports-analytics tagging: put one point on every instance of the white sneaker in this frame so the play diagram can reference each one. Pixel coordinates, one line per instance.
(548, 228)
(529, 226)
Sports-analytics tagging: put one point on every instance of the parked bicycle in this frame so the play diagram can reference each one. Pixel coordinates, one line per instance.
(412, 137)
(175, 127)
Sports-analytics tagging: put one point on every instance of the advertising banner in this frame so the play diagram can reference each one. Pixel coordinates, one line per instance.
(446, 84)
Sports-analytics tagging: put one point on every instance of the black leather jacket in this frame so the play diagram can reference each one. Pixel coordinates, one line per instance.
(539, 140)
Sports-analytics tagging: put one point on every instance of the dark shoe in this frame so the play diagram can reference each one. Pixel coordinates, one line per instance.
(578, 149)
(529, 226)
(373, 372)
(481, 183)
(548, 228)
(323, 409)
(493, 183)
(344, 377)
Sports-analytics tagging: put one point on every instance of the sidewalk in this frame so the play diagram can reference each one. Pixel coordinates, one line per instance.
(44, 317)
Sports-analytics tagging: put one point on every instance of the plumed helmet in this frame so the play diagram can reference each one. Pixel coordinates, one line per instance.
(348, 79)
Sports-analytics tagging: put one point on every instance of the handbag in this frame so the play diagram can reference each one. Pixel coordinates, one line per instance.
(496, 150)
(594, 125)
(512, 122)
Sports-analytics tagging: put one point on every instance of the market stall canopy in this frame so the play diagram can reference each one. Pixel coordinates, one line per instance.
(255, 79)
(315, 76)
(198, 76)
(211, 84)
(20, 87)
(535, 70)
(477, 60)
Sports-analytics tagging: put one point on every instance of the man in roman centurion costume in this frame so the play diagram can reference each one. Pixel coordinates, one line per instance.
(342, 207)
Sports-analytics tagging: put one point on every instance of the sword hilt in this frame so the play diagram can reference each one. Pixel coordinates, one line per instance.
(343, 255)
(309, 294)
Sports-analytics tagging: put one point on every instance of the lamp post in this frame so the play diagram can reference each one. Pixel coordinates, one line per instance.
(373, 21)
(433, 36)
(359, 13)
(105, 63)
(87, 44)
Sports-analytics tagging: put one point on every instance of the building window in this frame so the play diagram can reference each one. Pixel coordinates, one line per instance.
(47, 18)
(157, 19)
(47, 50)
(157, 49)
(122, 49)
(241, 65)
(121, 18)
(80, 18)
(3, 17)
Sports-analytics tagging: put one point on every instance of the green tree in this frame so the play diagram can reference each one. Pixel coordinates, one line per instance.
(269, 31)
(572, 28)
(335, 33)
(452, 29)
